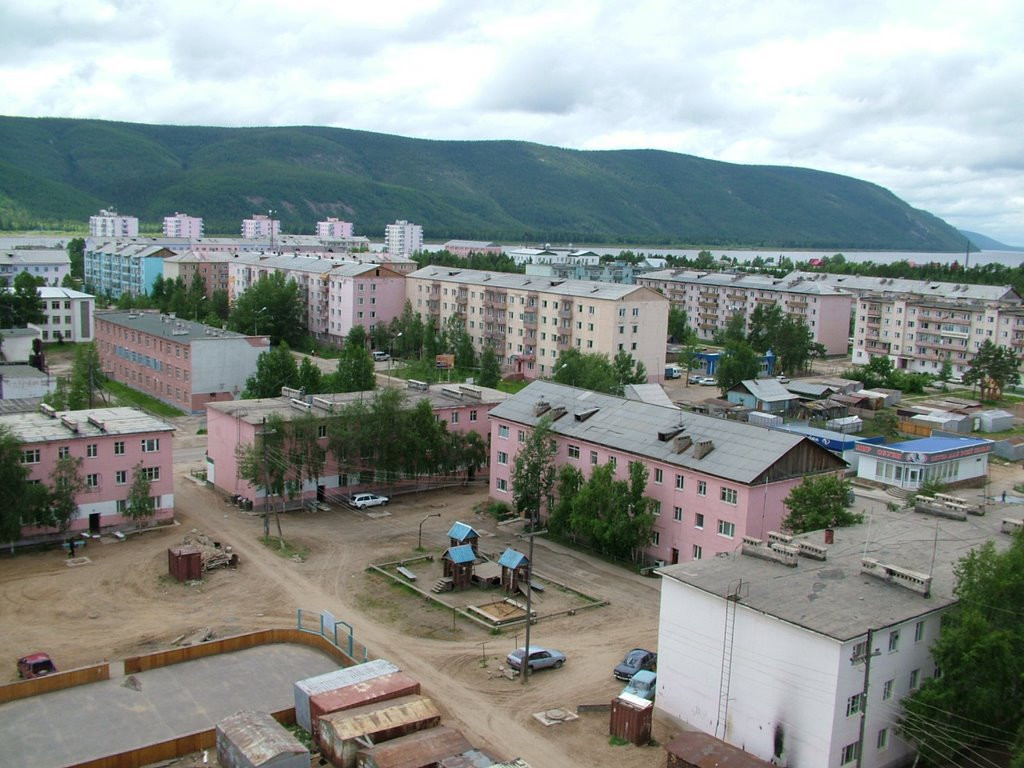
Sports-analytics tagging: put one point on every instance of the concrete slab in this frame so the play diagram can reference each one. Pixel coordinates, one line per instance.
(70, 726)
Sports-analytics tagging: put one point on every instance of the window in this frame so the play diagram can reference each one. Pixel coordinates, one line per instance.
(854, 704)
(574, 451)
(702, 488)
(887, 690)
(593, 458)
(92, 481)
(503, 430)
(91, 450)
(613, 461)
(321, 430)
(472, 415)
(655, 538)
(121, 477)
(522, 436)
(151, 445)
(894, 641)
(677, 514)
(659, 476)
(502, 457)
(698, 552)
(726, 528)
(63, 452)
(656, 508)
(919, 632)
(679, 482)
(119, 448)
(152, 473)
(502, 484)
(850, 753)
(915, 679)
(883, 739)
(30, 456)
(698, 520)
(728, 495)
(455, 419)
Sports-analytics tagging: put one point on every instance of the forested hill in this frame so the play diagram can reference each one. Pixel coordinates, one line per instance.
(56, 172)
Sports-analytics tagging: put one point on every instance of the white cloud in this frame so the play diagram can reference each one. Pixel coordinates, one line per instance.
(920, 97)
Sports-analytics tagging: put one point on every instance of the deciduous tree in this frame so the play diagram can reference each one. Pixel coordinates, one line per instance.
(270, 307)
(139, 505)
(490, 368)
(66, 483)
(820, 501)
(738, 361)
(275, 368)
(533, 473)
(992, 368)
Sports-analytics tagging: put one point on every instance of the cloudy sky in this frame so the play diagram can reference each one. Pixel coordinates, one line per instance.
(924, 98)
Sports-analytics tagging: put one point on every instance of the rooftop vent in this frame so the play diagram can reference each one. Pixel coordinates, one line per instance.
(323, 404)
(290, 392)
(1011, 525)
(541, 407)
(779, 538)
(474, 393)
(97, 423)
(454, 392)
(557, 412)
(779, 553)
(703, 448)
(904, 577)
(811, 550)
(69, 423)
(300, 405)
(664, 435)
(417, 384)
(584, 415)
(48, 410)
(681, 443)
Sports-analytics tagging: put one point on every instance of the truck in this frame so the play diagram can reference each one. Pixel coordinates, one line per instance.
(642, 685)
(673, 371)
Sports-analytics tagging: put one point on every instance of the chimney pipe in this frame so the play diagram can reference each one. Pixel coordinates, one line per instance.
(830, 536)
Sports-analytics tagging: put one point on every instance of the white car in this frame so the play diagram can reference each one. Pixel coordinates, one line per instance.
(364, 500)
(709, 381)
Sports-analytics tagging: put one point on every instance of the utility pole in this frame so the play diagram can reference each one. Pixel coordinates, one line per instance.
(266, 483)
(864, 696)
(529, 604)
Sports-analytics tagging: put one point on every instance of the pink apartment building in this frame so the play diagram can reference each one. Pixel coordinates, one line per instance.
(234, 425)
(714, 480)
(333, 229)
(182, 363)
(260, 225)
(111, 442)
(183, 225)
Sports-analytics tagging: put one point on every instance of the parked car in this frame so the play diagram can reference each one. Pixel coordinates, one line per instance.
(782, 378)
(381, 356)
(642, 685)
(364, 500)
(540, 658)
(636, 660)
(708, 381)
(35, 665)
(695, 378)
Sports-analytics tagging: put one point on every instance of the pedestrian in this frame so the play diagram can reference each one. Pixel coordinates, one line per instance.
(1004, 497)
(71, 548)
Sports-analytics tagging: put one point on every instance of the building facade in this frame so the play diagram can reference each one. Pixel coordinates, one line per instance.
(50, 264)
(260, 226)
(179, 362)
(112, 443)
(714, 480)
(403, 238)
(68, 315)
(183, 225)
(464, 248)
(116, 267)
(113, 224)
(333, 229)
(912, 464)
(530, 321)
(710, 299)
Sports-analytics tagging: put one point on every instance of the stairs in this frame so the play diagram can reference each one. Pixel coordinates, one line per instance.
(899, 493)
(443, 584)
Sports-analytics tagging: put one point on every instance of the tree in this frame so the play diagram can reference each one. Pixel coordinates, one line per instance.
(627, 370)
(587, 371)
(992, 368)
(220, 305)
(14, 479)
(309, 377)
(688, 358)
(975, 704)
(533, 473)
(946, 371)
(65, 484)
(263, 465)
(86, 376)
(275, 368)
(679, 330)
(270, 307)
(819, 502)
(490, 368)
(765, 323)
(737, 363)
(885, 423)
(569, 482)
(795, 345)
(139, 505)
(76, 254)
(735, 330)
(22, 305)
(355, 371)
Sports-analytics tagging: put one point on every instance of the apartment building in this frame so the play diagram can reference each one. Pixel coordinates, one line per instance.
(184, 226)
(464, 248)
(112, 443)
(714, 481)
(179, 362)
(333, 229)
(116, 267)
(710, 299)
(113, 224)
(863, 284)
(213, 268)
(530, 321)
(50, 264)
(919, 333)
(799, 650)
(68, 314)
(338, 294)
(259, 226)
(403, 238)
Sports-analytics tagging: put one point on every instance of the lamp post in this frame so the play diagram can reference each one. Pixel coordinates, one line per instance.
(529, 602)
(419, 539)
(270, 223)
(391, 353)
(198, 305)
(255, 320)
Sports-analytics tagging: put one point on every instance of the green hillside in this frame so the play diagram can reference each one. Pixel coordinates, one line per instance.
(56, 171)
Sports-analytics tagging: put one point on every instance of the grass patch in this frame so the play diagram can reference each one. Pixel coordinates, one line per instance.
(511, 386)
(617, 741)
(499, 510)
(128, 396)
(284, 548)
(201, 431)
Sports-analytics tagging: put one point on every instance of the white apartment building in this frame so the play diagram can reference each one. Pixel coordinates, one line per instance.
(710, 299)
(260, 225)
(112, 224)
(529, 321)
(918, 333)
(403, 238)
(333, 229)
(68, 314)
(183, 225)
(801, 660)
(51, 264)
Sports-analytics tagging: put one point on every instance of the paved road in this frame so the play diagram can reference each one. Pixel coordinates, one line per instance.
(77, 724)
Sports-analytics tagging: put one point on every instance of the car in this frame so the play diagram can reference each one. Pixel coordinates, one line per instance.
(381, 356)
(642, 685)
(695, 378)
(35, 665)
(782, 378)
(636, 660)
(364, 500)
(540, 658)
(709, 381)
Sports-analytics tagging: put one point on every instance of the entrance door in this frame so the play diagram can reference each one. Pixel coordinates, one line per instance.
(675, 556)
(94, 522)
(321, 493)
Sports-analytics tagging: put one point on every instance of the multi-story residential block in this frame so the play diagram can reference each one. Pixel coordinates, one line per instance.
(113, 224)
(714, 481)
(113, 443)
(116, 267)
(710, 299)
(862, 284)
(233, 426)
(182, 363)
(260, 225)
(919, 333)
(800, 650)
(337, 294)
(403, 238)
(183, 225)
(213, 268)
(51, 264)
(333, 229)
(464, 248)
(530, 321)
(68, 314)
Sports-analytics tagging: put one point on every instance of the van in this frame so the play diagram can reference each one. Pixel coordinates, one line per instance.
(380, 356)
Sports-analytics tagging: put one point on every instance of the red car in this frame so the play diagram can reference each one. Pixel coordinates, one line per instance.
(35, 665)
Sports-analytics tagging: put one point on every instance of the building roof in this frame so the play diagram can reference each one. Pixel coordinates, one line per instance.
(21, 371)
(833, 597)
(461, 554)
(864, 283)
(461, 532)
(741, 452)
(259, 737)
(813, 389)
(766, 390)
(168, 326)
(701, 750)
(515, 281)
(510, 558)
(470, 244)
(38, 427)
(35, 256)
(46, 292)
(648, 393)
(745, 281)
(937, 444)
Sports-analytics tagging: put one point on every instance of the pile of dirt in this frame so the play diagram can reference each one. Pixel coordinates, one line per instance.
(212, 553)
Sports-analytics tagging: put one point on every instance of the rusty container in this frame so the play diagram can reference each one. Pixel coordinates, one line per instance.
(185, 563)
(362, 693)
(255, 739)
(344, 733)
(631, 719)
(417, 750)
(331, 681)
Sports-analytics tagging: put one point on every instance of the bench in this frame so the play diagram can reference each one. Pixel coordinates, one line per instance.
(406, 572)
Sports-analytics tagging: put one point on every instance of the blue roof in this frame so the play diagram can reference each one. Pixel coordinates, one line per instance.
(461, 532)
(511, 559)
(461, 554)
(937, 444)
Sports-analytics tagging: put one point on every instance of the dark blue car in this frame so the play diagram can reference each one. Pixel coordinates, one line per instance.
(636, 660)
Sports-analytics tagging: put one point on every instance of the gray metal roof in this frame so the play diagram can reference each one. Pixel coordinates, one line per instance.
(758, 282)
(36, 256)
(648, 393)
(742, 452)
(21, 371)
(159, 324)
(38, 427)
(832, 597)
(515, 281)
(47, 292)
(767, 390)
(863, 283)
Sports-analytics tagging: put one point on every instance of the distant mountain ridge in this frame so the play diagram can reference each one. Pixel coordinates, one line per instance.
(56, 172)
(986, 243)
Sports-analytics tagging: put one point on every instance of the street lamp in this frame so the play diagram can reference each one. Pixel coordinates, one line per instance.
(391, 353)
(529, 601)
(419, 539)
(270, 223)
(198, 305)
(255, 319)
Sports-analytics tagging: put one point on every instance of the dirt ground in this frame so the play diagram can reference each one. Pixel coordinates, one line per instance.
(123, 602)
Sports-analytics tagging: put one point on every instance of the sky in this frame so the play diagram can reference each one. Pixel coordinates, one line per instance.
(924, 98)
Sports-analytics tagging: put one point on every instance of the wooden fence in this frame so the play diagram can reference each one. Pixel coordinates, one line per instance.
(54, 682)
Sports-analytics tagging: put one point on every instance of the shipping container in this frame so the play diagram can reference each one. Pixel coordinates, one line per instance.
(631, 719)
(344, 733)
(339, 678)
(185, 563)
(472, 759)
(376, 689)
(257, 740)
(423, 749)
